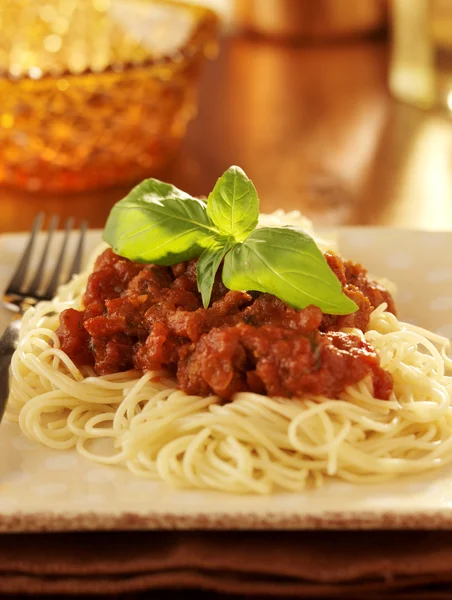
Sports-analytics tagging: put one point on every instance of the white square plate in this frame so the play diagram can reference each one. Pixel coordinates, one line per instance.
(45, 490)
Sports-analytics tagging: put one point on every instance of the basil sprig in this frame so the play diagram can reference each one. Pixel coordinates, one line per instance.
(233, 204)
(207, 267)
(285, 262)
(158, 223)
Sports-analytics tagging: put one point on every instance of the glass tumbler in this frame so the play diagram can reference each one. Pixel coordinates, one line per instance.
(421, 64)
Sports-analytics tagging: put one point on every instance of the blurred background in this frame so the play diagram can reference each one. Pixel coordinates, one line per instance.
(338, 108)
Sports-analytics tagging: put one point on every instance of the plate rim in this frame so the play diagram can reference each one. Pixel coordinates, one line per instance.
(56, 522)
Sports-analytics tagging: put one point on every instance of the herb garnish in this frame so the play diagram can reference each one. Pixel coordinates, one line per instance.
(158, 223)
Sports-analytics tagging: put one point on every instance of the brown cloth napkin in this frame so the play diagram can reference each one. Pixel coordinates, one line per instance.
(311, 564)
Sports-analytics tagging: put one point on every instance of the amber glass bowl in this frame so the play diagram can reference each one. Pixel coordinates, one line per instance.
(95, 93)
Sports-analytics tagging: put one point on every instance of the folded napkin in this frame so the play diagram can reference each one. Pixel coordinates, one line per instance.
(312, 564)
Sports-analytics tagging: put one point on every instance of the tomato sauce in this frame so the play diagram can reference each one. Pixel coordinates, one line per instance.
(148, 317)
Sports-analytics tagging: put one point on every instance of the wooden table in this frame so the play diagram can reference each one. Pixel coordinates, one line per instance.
(314, 127)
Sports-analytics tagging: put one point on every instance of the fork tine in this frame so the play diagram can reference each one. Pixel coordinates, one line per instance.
(15, 285)
(34, 286)
(77, 262)
(53, 283)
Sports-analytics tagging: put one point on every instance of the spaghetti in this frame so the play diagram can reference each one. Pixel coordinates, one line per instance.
(254, 444)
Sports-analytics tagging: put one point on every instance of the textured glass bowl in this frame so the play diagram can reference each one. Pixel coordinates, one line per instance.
(96, 92)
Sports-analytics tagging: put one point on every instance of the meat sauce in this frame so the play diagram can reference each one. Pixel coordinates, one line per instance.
(148, 317)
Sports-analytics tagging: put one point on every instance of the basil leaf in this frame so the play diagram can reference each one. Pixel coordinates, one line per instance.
(158, 223)
(233, 204)
(285, 262)
(207, 267)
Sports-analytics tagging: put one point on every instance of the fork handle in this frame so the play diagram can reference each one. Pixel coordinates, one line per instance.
(8, 344)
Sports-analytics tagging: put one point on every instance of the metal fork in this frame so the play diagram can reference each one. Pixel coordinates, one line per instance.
(18, 296)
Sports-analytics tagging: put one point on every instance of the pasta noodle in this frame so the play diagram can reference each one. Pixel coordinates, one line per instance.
(254, 444)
